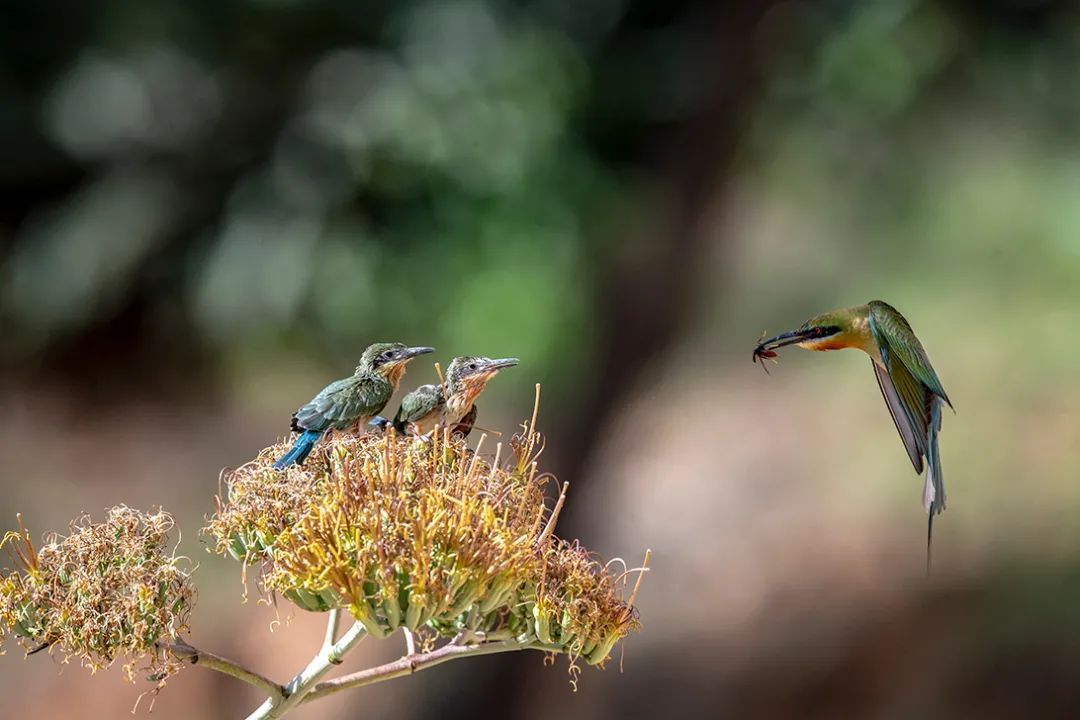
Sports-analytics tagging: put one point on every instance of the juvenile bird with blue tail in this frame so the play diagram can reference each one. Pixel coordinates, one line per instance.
(351, 401)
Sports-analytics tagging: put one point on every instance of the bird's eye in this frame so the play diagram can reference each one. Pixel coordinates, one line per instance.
(388, 354)
(472, 366)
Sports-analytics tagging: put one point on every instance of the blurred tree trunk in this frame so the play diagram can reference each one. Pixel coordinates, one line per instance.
(646, 302)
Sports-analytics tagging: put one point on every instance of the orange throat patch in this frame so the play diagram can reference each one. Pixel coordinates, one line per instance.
(394, 373)
(859, 340)
(836, 342)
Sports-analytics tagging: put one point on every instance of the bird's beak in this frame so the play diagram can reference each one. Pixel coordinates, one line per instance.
(501, 363)
(410, 353)
(788, 338)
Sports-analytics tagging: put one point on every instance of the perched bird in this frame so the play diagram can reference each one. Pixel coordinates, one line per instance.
(352, 400)
(452, 404)
(911, 388)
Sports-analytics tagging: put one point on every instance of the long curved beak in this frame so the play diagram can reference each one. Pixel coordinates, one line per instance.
(410, 353)
(788, 338)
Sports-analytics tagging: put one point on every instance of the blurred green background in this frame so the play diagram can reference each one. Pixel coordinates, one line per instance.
(208, 209)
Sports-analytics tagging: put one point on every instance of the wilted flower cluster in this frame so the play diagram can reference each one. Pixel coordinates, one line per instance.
(105, 590)
(422, 534)
(577, 604)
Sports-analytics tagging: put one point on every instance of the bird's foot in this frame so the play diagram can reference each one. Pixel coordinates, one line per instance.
(379, 423)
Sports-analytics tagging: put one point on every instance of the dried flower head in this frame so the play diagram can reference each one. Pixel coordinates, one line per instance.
(577, 603)
(105, 590)
(423, 534)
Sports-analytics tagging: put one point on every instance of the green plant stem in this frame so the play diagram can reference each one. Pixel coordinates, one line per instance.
(209, 660)
(415, 663)
(305, 680)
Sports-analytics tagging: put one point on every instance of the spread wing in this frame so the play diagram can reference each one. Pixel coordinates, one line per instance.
(418, 405)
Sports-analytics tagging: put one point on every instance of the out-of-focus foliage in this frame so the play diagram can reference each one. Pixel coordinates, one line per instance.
(429, 176)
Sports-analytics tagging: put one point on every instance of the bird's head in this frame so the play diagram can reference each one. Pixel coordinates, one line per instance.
(829, 331)
(389, 359)
(474, 372)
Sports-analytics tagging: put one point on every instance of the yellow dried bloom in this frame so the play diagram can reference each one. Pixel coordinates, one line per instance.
(105, 590)
(423, 534)
(578, 605)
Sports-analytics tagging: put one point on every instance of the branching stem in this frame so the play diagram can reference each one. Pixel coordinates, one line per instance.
(306, 686)
(415, 663)
(209, 660)
(333, 623)
(305, 680)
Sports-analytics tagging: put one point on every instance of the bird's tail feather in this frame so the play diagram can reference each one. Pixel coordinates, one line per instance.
(299, 451)
(934, 486)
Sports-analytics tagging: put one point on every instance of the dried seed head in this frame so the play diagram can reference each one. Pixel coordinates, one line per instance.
(106, 590)
(426, 535)
(579, 604)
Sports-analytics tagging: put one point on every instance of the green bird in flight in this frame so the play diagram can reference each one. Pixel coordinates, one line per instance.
(912, 391)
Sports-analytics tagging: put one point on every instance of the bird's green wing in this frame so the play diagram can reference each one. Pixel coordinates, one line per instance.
(341, 403)
(325, 409)
(889, 325)
(417, 405)
(369, 396)
(899, 416)
(914, 395)
(908, 398)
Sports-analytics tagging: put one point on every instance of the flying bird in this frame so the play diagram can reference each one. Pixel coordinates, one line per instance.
(451, 404)
(351, 401)
(912, 391)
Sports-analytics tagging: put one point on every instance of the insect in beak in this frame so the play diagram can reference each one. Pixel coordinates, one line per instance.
(761, 353)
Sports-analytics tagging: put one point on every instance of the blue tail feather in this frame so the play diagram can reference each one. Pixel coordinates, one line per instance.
(933, 461)
(300, 449)
(934, 489)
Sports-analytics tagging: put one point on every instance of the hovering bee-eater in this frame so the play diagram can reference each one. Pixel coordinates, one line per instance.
(351, 401)
(452, 404)
(911, 388)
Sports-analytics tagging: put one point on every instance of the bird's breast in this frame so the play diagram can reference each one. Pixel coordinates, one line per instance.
(457, 406)
(427, 423)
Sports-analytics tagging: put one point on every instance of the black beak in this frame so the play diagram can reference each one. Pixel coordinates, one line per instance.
(410, 353)
(788, 338)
